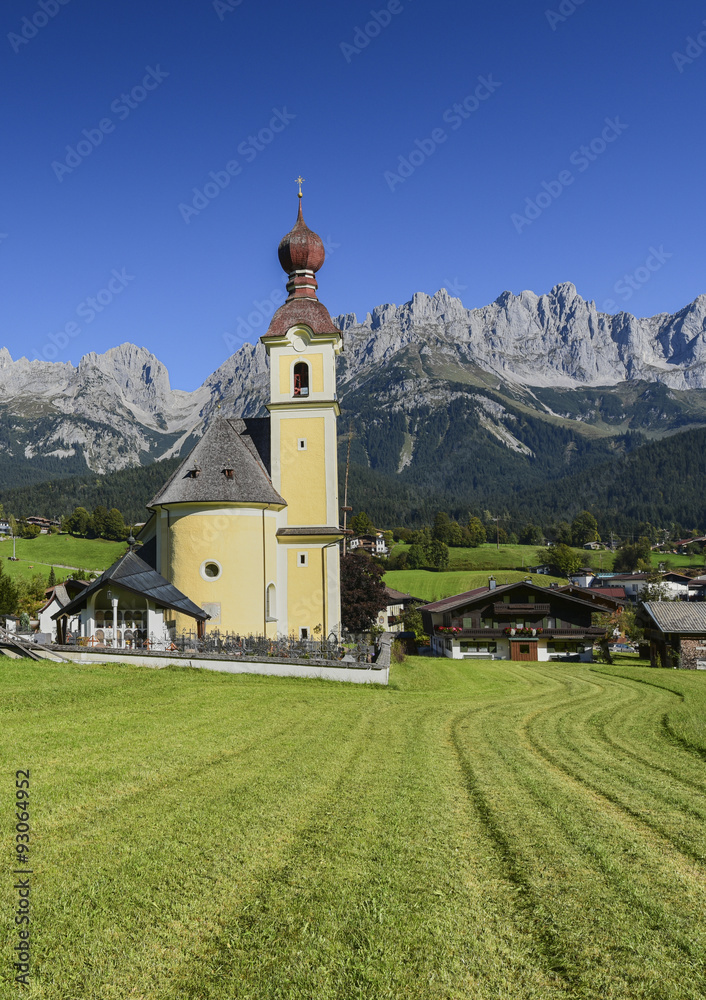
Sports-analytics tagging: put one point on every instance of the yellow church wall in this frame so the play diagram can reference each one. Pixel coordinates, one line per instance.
(316, 364)
(305, 605)
(303, 473)
(233, 540)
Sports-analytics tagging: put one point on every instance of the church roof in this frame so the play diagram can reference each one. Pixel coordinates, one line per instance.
(310, 312)
(241, 446)
(131, 573)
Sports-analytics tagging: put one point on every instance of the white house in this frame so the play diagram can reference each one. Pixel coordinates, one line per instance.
(374, 544)
(582, 577)
(390, 618)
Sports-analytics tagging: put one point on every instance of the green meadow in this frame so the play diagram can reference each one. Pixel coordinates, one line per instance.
(37, 555)
(475, 830)
(430, 585)
(518, 557)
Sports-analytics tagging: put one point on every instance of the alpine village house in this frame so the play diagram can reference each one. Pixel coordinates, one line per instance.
(518, 621)
(244, 535)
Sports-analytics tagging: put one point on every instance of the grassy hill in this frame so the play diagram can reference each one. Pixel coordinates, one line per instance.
(37, 555)
(482, 830)
(428, 585)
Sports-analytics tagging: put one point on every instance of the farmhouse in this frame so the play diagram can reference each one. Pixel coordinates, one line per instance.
(518, 621)
(677, 634)
(391, 618)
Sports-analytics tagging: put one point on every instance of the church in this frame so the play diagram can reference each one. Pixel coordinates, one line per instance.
(244, 536)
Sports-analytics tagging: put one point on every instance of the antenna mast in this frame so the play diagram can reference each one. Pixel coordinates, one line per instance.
(345, 508)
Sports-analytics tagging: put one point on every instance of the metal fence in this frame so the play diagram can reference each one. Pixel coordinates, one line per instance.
(352, 648)
(337, 646)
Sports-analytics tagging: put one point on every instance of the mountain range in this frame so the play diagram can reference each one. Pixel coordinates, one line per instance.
(445, 405)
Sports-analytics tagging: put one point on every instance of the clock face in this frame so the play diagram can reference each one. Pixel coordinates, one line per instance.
(298, 342)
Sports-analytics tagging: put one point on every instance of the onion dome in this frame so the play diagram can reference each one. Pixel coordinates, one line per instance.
(301, 249)
(301, 254)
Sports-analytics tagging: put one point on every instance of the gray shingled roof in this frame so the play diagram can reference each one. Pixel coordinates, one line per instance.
(240, 445)
(678, 616)
(136, 576)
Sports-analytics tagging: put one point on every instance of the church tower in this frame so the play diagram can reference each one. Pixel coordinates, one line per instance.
(302, 344)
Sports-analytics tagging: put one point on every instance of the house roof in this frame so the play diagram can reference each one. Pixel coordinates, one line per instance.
(240, 445)
(397, 597)
(448, 603)
(60, 593)
(615, 594)
(131, 573)
(677, 616)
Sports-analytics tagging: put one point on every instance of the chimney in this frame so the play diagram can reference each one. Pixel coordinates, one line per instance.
(491, 583)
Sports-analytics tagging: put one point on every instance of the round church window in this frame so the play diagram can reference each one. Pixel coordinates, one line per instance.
(210, 569)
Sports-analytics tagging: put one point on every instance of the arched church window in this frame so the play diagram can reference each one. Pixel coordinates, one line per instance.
(301, 379)
(271, 603)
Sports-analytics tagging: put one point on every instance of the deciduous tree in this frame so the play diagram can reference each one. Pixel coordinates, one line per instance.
(584, 528)
(363, 593)
(476, 532)
(361, 524)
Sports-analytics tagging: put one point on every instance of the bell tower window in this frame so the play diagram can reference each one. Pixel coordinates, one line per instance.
(301, 379)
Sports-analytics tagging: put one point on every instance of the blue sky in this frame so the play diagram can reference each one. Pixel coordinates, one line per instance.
(114, 239)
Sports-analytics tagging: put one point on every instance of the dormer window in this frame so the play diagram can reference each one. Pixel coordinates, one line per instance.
(301, 379)
(195, 472)
(228, 473)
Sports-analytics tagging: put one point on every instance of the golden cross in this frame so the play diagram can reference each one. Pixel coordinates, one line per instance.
(300, 181)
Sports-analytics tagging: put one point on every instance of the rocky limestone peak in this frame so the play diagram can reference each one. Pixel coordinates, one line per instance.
(5, 357)
(140, 378)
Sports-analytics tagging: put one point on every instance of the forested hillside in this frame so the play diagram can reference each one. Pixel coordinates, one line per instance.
(127, 490)
(661, 482)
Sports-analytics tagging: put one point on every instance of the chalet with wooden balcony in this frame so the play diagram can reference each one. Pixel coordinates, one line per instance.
(518, 621)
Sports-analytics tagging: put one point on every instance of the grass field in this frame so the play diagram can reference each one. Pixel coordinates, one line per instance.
(38, 554)
(428, 585)
(518, 556)
(477, 830)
